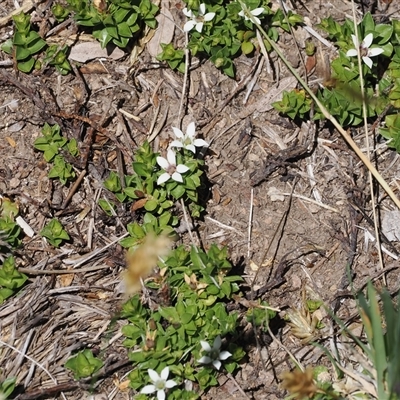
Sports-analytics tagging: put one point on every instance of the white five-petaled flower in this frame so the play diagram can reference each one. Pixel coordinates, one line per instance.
(254, 13)
(187, 140)
(171, 169)
(160, 383)
(197, 21)
(214, 353)
(365, 51)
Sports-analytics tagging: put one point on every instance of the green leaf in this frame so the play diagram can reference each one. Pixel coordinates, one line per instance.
(26, 66)
(21, 53)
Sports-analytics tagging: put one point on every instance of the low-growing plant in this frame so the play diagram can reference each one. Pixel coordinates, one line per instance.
(10, 232)
(185, 331)
(7, 387)
(114, 21)
(340, 94)
(158, 182)
(57, 56)
(52, 143)
(11, 280)
(54, 233)
(25, 43)
(222, 31)
(84, 364)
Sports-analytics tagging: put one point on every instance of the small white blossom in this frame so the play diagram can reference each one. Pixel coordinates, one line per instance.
(197, 22)
(187, 140)
(365, 50)
(171, 169)
(214, 353)
(254, 13)
(160, 383)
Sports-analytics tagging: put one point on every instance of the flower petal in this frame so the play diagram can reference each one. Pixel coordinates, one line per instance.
(205, 346)
(170, 384)
(189, 26)
(148, 389)
(200, 143)
(181, 168)
(176, 143)
(153, 375)
(217, 343)
(368, 40)
(209, 16)
(224, 355)
(188, 12)
(257, 11)
(355, 41)
(191, 130)
(162, 162)
(352, 53)
(171, 157)
(368, 61)
(191, 148)
(202, 9)
(163, 178)
(160, 395)
(375, 52)
(257, 20)
(177, 177)
(217, 364)
(241, 14)
(177, 132)
(204, 360)
(164, 373)
(199, 27)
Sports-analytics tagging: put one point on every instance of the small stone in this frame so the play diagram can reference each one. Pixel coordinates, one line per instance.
(14, 183)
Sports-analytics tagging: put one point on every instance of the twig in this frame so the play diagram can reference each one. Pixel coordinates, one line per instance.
(250, 223)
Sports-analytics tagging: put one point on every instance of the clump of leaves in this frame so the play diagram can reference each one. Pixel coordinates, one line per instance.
(52, 144)
(7, 387)
(9, 230)
(192, 288)
(221, 31)
(25, 43)
(54, 233)
(11, 280)
(57, 56)
(147, 194)
(114, 21)
(341, 93)
(84, 364)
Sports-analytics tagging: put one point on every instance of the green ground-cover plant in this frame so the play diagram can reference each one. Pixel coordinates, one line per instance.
(115, 21)
(11, 280)
(55, 233)
(341, 95)
(185, 331)
(25, 43)
(10, 232)
(52, 143)
(158, 182)
(84, 364)
(222, 30)
(7, 387)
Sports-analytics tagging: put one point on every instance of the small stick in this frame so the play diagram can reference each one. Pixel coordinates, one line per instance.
(250, 223)
(73, 189)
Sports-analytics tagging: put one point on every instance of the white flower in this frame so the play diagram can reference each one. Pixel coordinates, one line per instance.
(160, 383)
(214, 353)
(249, 15)
(171, 169)
(187, 140)
(197, 21)
(365, 51)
